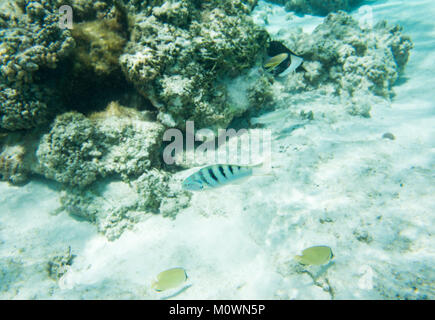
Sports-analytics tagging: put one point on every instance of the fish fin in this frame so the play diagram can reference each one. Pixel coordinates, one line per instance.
(295, 63)
(271, 117)
(298, 258)
(239, 181)
(154, 286)
(293, 54)
(301, 68)
(263, 169)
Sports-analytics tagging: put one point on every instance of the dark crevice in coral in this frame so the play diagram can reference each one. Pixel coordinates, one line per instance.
(84, 92)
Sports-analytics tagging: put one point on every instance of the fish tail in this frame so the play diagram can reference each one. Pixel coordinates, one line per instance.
(154, 285)
(263, 168)
(300, 260)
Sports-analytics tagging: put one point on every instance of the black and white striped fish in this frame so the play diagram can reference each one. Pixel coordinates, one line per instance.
(217, 175)
(281, 61)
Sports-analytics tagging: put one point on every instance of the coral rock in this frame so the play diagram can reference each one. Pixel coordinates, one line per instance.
(318, 7)
(32, 42)
(78, 150)
(178, 52)
(353, 62)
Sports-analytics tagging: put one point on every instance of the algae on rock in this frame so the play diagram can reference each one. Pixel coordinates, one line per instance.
(92, 75)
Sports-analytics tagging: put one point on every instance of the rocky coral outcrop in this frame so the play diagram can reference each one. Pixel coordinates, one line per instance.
(16, 156)
(115, 206)
(46, 69)
(78, 150)
(92, 76)
(58, 265)
(181, 51)
(108, 164)
(318, 7)
(99, 45)
(12, 168)
(353, 62)
(32, 43)
(69, 153)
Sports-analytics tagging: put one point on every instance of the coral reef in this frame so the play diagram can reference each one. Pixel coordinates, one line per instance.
(11, 165)
(17, 156)
(32, 44)
(115, 205)
(93, 70)
(108, 164)
(180, 52)
(69, 153)
(46, 70)
(318, 7)
(99, 45)
(354, 63)
(78, 150)
(88, 10)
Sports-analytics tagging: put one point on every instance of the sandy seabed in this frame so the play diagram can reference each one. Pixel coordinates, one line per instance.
(337, 182)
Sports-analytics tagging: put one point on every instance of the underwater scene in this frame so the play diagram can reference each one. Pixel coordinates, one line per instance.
(217, 149)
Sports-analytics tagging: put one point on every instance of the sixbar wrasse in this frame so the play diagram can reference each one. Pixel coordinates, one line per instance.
(217, 175)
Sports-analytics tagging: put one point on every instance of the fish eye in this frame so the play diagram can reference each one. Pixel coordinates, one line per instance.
(193, 185)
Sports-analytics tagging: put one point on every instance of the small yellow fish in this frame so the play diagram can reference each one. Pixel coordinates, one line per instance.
(316, 255)
(275, 61)
(169, 279)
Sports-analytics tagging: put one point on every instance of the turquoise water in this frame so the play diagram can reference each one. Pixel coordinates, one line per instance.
(89, 208)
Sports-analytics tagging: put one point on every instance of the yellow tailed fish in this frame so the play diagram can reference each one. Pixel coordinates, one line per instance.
(217, 175)
(283, 61)
(295, 62)
(316, 255)
(169, 279)
(275, 61)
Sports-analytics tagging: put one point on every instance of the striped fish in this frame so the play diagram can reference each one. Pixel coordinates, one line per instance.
(295, 62)
(217, 175)
(281, 60)
(275, 61)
